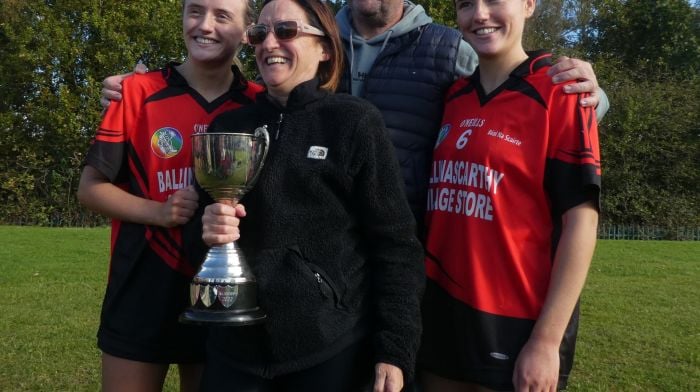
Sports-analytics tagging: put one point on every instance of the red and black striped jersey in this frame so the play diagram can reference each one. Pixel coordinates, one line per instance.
(143, 144)
(506, 166)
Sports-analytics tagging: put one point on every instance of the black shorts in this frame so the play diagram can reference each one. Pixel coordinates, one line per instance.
(462, 344)
(140, 313)
(349, 371)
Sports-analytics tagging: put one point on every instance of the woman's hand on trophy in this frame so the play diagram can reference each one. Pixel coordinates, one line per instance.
(220, 223)
(179, 207)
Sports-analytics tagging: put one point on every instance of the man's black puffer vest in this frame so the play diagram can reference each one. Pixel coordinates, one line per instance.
(407, 83)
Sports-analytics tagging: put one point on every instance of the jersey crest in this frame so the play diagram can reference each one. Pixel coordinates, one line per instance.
(442, 134)
(166, 142)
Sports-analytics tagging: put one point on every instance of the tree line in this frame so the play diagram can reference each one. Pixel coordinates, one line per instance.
(54, 55)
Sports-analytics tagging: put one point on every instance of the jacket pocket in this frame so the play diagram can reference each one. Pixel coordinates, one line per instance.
(301, 302)
(326, 286)
(285, 275)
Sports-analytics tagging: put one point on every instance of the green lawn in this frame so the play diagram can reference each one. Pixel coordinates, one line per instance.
(640, 313)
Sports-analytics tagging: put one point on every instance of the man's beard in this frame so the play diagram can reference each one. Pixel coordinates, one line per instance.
(373, 18)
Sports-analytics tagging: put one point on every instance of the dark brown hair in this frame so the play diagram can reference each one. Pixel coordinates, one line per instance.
(321, 16)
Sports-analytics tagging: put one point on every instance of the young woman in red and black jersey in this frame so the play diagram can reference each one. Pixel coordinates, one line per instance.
(512, 216)
(138, 172)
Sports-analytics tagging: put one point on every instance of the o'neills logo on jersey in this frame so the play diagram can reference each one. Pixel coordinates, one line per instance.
(166, 142)
(199, 128)
(442, 134)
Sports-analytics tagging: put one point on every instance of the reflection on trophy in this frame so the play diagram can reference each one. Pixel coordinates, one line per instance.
(224, 291)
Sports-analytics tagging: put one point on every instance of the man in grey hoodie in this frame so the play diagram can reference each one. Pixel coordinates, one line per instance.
(366, 32)
(403, 63)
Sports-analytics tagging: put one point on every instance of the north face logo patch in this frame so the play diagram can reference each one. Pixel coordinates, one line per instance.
(317, 152)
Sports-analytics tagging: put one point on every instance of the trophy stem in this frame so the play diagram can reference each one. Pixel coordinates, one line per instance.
(224, 291)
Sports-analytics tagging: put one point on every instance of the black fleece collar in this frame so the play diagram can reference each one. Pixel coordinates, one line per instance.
(302, 95)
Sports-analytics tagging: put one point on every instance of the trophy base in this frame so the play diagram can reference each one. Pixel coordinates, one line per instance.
(222, 318)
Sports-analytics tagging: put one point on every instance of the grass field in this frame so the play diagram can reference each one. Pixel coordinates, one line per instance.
(640, 312)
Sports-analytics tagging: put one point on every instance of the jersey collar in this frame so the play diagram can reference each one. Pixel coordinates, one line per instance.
(516, 81)
(175, 78)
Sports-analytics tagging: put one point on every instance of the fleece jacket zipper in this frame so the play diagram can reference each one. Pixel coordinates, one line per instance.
(279, 125)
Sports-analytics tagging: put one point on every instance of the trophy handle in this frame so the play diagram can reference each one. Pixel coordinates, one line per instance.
(261, 132)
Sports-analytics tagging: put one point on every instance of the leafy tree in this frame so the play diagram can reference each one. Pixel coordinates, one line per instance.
(647, 57)
(655, 37)
(53, 57)
(442, 11)
(650, 144)
(546, 28)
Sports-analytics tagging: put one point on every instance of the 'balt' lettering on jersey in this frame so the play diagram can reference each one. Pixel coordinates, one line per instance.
(174, 179)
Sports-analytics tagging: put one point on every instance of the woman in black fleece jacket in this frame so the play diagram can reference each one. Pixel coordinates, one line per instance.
(328, 233)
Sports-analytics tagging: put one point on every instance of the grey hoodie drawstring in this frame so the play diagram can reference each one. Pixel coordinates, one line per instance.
(352, 54)
(386, 40)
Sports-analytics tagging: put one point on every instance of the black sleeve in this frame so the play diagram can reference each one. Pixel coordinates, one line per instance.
(573, 167)
(394, 252)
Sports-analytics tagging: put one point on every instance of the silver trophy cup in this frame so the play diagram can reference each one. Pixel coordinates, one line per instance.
(224, 291)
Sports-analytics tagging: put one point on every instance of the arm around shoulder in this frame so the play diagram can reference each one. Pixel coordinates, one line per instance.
(603, 105)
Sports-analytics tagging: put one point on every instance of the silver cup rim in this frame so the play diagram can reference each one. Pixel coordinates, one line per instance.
(224, 133)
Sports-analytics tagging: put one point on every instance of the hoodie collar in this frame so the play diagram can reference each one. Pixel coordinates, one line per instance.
(413, 17)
